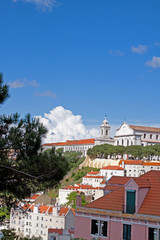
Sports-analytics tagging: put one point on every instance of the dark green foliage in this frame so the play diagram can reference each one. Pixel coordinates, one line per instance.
(3, 91)
(28, 170)
(74, 159)
(135, 151)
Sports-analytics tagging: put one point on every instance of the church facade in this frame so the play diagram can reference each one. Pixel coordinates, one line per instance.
(127, 135)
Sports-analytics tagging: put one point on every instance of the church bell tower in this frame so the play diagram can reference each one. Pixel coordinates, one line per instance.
(105, 129)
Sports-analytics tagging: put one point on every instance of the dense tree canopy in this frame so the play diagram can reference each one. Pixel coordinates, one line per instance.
(23, 168)
(134, 151)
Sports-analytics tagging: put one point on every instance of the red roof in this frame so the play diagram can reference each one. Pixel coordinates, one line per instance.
(93, 177)
(151, 164)
(93, 172)
(72, 142)
(132, 162)
(110, 167)
(145, 129)
(114, 200)
(35, 196)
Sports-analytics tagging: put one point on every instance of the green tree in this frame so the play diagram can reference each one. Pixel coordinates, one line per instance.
(23, 168)
(11, 235)
(72, 199)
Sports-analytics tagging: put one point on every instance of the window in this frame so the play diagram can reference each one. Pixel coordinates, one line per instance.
(144, 135)
(150, 136)
(130, 201)
(99, 228)
(126, 232)
(152, 234)
(122, 141)
(156, 137)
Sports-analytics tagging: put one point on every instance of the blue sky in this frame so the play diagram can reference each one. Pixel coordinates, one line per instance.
(89, 56)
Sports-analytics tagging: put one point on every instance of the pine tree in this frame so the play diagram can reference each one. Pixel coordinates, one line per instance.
(23, 168)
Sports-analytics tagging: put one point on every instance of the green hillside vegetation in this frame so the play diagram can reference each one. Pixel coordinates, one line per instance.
(74, 174)
(135, 151)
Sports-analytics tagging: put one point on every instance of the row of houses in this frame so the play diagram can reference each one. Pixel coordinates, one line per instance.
(93, 183)
(129, 209)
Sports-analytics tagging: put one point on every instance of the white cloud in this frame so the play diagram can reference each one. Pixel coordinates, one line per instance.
(19, 83)
(141, 49)
(157, 44)
(43, 4)
(47, 93)
(154, 63)
(63, 125)
(33, 83)
(115, 53)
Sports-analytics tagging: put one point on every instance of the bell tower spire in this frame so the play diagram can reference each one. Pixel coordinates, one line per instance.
(105, 129)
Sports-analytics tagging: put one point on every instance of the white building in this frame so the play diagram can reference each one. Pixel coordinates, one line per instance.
(88, 190)
(135, 168)
(33, 220)
(128, 135)
(110, 171)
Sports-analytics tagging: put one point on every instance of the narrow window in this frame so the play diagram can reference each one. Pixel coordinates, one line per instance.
(156, 137)
(131, 197)
(94, 229)
(126, 232)
(103, 228)
(144, 135)
(150, 136)
(152, 234)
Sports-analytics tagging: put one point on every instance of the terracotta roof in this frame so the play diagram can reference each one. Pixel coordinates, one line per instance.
(114, 200)
(151, 164)
(35, 196)
(145, 129)
(53, 230)
(72, 142)
(143, 183)
(118, 180)
(132, 162)
(93, 172)
(93, 177)
(63, 211)
(59, 231)
(112, 168)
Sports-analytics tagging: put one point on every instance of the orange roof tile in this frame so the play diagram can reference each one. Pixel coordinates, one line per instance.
(118, 180)
(93, 177)
(145, 129)
(151, 164)
(132, 162)
(114, 200)
(93, 172)
(72, 142)
(63, 211)
(110, 167)
(35, 196)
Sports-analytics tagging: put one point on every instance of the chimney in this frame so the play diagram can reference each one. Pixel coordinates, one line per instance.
(55, 211)
(78, 201)
(123, 164)
(35, 208)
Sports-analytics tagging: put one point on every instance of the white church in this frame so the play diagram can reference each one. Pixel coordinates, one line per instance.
(126, 135)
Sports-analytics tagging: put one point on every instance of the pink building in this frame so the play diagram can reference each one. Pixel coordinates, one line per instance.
(130, 210)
